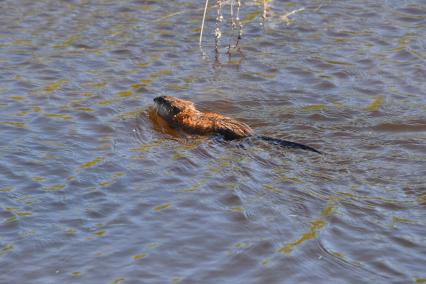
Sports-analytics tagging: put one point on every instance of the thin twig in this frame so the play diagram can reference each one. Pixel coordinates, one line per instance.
(202, 23)
(240, 25)
(219, 19)
(294, 12)
(169, 16)
(320, 6)
(286, 16)
(232, 14)
(265, 6)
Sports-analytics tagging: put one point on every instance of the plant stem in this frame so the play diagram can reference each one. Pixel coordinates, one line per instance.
(202, 23)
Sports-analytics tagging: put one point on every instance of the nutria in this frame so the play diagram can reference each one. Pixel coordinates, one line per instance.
(182, 114)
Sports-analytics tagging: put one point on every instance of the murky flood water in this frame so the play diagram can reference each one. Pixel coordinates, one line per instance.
(92, 190)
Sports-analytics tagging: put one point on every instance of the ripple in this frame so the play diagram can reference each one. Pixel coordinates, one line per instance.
(96, 188)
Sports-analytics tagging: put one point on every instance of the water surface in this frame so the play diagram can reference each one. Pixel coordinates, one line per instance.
(93, 191)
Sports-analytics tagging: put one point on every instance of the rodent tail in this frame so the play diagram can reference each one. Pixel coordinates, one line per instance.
(287, 144)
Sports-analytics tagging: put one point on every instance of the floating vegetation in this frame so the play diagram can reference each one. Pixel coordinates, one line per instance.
(71, 178)
(100, 233)
(112, 180)
(139, 256)
(178, 156)
(138, 86)
(66, 43)
(145, 82)
(375, 105)
(6, 189)
(314, 107)
(73, 103)
(312, 234)
(11, 219)
(143, 64)
(106, 102)
(403, 41)
(85, 109)
(88, 95)
(240, 245)
(162, 207)
(148, 146)
(17, 98)
(328, 210)
(236, 209)
(396, 220)
(22, 42)
(289, 179)
(98, 85)
(70, 231)
(55, 187)
(59, 115)
(193, 188)
(54, 86)
(26, 199)
(223, 163)
(6, 248)
(118, 280)
(250, 17)
(134, 157)
(335, 62)
(13, 123)
(125, 94)
(23, 214)
(160, 73)
(271, 188)
(91, 163)
(23, 113)
(421, 199)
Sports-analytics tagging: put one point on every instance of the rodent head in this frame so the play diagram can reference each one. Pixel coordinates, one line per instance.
(168, 106)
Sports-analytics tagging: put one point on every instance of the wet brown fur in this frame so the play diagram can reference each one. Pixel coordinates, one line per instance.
(182, 114)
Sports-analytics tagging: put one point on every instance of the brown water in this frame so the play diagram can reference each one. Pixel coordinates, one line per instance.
(92, 191)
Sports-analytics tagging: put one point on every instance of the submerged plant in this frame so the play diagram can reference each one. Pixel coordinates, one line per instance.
(219, 19)
(235, 21)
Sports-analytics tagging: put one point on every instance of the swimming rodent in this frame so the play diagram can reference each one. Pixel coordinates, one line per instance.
(182, 114)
